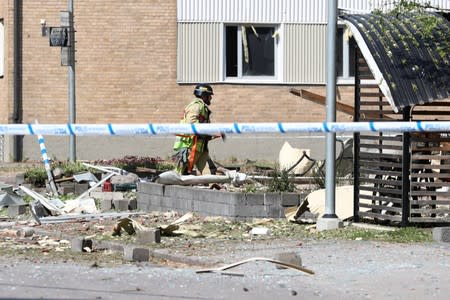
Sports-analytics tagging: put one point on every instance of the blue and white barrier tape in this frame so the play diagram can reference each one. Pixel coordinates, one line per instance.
(214, 128)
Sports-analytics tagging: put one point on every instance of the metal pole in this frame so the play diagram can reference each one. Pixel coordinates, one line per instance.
(72, 107)
(330, 183)
(330, 220)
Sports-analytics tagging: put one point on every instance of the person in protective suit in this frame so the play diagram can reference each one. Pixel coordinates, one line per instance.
(192, 150)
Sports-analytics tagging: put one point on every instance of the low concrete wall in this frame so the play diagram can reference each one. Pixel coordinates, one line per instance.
(153, 196)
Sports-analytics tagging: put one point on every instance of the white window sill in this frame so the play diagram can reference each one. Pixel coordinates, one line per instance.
(252, 80)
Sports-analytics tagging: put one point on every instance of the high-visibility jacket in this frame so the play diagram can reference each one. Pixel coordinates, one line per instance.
(195, 112)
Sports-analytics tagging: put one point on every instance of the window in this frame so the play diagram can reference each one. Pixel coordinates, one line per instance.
(345, 55)
(250, 51)
(2, 48)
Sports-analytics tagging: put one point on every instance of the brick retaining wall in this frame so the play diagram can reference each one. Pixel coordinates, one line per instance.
(206, 202)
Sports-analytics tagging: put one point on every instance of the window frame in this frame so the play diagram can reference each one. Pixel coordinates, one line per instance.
(240, 78)
(346, 78)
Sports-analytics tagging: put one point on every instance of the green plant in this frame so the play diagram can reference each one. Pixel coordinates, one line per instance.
(280, 182)
(71, 168)
(250, 188)
(36, 176)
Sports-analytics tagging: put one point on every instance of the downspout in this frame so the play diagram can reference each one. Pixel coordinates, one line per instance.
(17, 97)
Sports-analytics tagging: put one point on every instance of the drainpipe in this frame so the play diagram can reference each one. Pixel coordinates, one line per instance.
(17, 100)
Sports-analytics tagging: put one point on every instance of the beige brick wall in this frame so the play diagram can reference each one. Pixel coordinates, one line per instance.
(126, 70)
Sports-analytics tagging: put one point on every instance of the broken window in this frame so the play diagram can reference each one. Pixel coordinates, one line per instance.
(345, 54)
(250, 51)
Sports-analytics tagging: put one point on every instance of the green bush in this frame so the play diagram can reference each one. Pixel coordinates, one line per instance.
(280, 182)
(36, 176)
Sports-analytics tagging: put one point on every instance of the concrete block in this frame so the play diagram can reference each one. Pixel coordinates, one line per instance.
(254, 199)
(117, 196)
(272, 199)
(120, 205)
(148, 202)
(132, 253)
(79, 244)
(146, 236)
(292, 258)
(213, 209)
(106, 204)
(181, 203)
(290, 199)
(175, 191)
(25, 232)
(132, 204)
(441, 234)
(20, 178)
(150, 188)
(16, 210)
(66, 189)
(102, 195)
(80, 188)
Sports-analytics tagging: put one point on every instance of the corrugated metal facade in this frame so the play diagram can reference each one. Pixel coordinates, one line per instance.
(199, 52)
(201, 22)
(275, 11)
(304, 53)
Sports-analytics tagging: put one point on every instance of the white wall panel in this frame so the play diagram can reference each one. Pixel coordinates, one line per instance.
(304, 56)
(199, 52)
(275, 11)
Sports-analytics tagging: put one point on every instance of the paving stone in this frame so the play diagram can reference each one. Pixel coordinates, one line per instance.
(133, 253)
(16, 210)
(151, 235)
(120, 205)
(441, 234)
(79, 244)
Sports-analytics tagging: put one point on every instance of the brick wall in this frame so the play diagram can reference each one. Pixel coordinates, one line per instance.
(126, 70)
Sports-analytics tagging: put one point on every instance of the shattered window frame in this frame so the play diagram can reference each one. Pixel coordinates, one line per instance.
(345, 55)
(239, 51)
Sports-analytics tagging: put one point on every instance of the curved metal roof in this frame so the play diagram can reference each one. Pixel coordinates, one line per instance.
(411, 66)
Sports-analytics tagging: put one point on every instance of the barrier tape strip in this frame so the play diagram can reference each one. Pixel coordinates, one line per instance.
(214, 128)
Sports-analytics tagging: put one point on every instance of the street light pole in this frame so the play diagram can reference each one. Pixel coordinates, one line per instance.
(330, 220)
(72, 107)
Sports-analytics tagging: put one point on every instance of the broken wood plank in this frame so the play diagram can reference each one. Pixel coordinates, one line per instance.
(319, 99)
(342, 107)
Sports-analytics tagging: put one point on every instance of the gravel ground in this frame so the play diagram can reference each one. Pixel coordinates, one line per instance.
(343, 269)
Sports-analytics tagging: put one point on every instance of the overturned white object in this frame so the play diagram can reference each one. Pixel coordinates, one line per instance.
(295, 158)
(84, 206)
(172, 177)
(344, 202)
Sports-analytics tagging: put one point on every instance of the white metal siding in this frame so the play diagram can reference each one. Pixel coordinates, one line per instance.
(304, 53)
(275, 11)
(199, 52)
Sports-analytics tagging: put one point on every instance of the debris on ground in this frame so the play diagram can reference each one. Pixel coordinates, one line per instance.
(281, 263)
